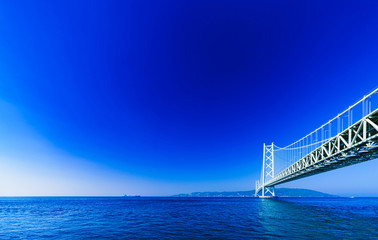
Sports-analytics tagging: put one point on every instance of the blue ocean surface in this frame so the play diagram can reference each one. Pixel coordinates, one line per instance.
(188, 218)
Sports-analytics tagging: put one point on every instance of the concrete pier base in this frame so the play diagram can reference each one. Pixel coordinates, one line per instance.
(268, 197)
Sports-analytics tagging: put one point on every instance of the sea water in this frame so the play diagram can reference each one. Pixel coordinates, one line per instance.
(188, 218)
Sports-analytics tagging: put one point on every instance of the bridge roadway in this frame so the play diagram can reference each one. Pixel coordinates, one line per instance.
(356, 144)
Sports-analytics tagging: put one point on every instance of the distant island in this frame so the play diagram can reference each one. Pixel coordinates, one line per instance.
(281, 192)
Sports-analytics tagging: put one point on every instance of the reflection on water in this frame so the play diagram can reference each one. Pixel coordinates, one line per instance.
(188, 218)
(319, 217)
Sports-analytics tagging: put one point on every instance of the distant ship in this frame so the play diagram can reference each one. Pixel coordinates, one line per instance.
(131, 196)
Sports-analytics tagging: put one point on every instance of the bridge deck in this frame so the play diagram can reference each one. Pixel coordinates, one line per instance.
(356, 144)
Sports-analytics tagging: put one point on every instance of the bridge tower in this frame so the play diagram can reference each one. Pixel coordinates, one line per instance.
(267, 173)
(338, 143)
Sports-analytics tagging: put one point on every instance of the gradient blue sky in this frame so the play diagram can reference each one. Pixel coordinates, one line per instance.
(166, 97)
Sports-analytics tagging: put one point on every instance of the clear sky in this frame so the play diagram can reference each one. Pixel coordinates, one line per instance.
(165, 97)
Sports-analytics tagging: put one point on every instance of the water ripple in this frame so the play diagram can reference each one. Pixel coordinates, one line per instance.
(188, 218)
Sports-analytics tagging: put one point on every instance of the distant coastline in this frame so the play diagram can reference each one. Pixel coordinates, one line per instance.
(281, 192)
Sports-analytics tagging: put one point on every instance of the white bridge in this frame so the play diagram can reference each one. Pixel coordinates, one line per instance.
(349, 138)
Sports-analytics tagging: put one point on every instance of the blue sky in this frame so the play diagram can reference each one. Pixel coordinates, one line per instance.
(165, 97)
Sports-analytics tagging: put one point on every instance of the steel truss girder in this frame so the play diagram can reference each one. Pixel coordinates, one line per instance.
(356, 144)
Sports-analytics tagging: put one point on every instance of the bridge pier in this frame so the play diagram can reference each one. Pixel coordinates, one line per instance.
(268, 197)
(267, 192)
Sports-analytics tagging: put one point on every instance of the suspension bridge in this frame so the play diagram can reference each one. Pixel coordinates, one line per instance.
(349, 138)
